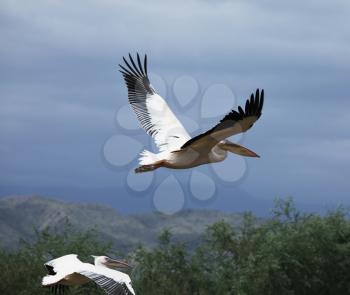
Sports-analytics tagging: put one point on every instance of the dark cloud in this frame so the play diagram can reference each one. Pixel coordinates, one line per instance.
(60, 87)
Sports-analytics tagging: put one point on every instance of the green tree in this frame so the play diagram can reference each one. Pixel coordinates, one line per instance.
(289, 253)
(163, 270)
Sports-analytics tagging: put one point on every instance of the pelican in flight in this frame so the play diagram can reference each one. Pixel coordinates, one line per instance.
(177, 149)
(68, 270)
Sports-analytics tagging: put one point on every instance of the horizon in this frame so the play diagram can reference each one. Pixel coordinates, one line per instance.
(135, 206)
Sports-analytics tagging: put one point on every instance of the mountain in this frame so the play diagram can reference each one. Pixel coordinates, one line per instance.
(20, 216)
(227, 199)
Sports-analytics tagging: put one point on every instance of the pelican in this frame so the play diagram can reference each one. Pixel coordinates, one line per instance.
(177, 150)
(69, 270)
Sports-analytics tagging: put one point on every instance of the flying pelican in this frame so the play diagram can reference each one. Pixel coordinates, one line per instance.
(69, 270)
(177, 149)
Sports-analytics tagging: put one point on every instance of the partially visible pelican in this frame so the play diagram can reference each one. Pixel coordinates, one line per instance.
(177, 149)
(69, 270)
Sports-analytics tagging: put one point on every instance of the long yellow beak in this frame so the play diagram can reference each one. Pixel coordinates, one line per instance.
(118, 263)
(237, 149)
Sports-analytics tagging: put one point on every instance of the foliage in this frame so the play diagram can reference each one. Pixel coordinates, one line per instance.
(163, 270)
(290, 253)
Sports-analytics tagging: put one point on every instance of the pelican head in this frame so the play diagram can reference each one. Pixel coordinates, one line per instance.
(106, 261)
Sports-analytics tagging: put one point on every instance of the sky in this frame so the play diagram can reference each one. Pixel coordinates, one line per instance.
(61, 93)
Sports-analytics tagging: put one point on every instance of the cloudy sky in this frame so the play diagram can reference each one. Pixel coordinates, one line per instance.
(60, 88)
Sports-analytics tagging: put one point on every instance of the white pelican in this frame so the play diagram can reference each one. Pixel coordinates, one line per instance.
(69, 270)
(177, 149)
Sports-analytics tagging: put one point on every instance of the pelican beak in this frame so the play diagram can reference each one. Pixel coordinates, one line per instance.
(117, 263)
(237, 149)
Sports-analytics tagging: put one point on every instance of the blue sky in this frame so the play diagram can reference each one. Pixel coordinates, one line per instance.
(60, 88)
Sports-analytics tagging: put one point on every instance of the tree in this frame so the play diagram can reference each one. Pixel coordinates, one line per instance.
(289, 253)
(162, 270)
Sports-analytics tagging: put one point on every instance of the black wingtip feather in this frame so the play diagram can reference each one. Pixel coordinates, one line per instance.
(125, 71)
(261, 101)
(257, 99)
(253, 107)
(139, 88)
(133, 68)
(134, 65)
(130, 67)
(59, 289)
(139, 63)
(145, 64)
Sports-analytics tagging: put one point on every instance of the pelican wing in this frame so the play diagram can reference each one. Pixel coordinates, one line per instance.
(57, 269)
(62, 264)
(57, 288)
(151, 110)
(109, 285)
(233, 123)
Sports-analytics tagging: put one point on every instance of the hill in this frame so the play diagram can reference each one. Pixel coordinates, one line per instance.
(20, 216)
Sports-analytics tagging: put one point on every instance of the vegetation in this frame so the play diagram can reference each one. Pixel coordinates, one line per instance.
(289, 253)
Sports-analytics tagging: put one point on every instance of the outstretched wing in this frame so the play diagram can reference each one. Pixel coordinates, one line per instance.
(151, 110)
(58, 266)
(57, 288)
(61, 264)
(233, 123)
(109, 285)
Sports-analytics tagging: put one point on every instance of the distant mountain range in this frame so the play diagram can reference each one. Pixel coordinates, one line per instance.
(228, 199)
(20, 216)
